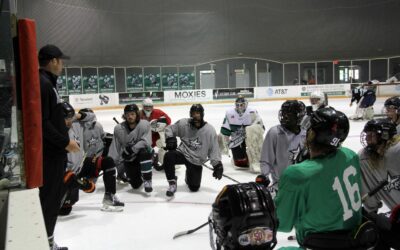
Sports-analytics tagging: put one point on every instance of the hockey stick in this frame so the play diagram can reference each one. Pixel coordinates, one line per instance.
(224, 175)
(179, 234)
(375, 190)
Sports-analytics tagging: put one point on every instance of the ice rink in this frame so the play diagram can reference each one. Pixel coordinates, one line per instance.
(149, 222)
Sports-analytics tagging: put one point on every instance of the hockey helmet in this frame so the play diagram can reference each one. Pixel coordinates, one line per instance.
(383, 128)
(331, 127)
(147, 102)
(241, 104)
(392, 103)
(131, 108)
(291, 113)
(197, 108)
(68, 110)
(318, 99)
(86, 110)
(244, 217)
(147, 106)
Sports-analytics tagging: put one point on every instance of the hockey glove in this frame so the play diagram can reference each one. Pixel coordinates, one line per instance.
(263, 180)
(218, 171)
(171, 143)
(70, 179)
(128, 153)
(87, 185)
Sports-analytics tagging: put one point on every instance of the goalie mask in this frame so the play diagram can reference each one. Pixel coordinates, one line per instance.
(241, 104)
(197, 120)
(291, 114)
(244, 217)
(377, 132)
(147, 107)
(318, 100)
(328, 127)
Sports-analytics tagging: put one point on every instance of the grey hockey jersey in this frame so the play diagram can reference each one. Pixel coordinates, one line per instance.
(197, 145)
(138, 138)
(280, 148)
(373, 173)
(89, 134)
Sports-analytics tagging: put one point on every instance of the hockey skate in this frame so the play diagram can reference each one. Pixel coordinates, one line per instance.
(111, 203)
(172, 188)
(56, 247)
(148, 187)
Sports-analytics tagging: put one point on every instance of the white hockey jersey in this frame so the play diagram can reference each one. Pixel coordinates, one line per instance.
(234, 124)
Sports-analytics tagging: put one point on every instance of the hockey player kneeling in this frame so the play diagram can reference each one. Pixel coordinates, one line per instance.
(242, 132)
(244, 217)
(320, 197)
(198, 143)
(85, 166)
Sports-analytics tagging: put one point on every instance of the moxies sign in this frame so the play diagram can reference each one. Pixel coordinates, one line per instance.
(196, 95)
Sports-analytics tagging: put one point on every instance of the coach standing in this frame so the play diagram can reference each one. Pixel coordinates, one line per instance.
(56, 142)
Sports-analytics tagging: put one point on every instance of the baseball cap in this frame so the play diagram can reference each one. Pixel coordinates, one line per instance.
(50, 51)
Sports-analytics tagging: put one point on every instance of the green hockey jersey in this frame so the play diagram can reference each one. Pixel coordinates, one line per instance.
(320, 195)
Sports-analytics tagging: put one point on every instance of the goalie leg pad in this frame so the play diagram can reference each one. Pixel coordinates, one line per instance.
(223, 144)
(254, 142)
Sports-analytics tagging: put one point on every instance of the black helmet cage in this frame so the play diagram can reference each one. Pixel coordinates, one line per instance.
(241, 104)
(244, 217)
(383, 128)
(291, 113)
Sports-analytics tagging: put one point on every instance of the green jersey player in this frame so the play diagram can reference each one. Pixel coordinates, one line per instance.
(322, 194)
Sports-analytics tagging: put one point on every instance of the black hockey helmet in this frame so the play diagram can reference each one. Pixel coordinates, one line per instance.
(197, 108)
(68, 110)
(132, 108)
(241, 104)
(244, 217)
(392, 102)
(331, 127)
(384, 129)
(291, 113)
(86, 110)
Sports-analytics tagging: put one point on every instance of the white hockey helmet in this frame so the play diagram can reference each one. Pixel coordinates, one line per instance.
(317, 99)
(147, 102)
(147, 106)
(241, 104)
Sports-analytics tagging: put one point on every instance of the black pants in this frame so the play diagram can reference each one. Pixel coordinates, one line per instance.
(388, 240)
(50, 193)
(193, 172)
(91, 169)
(140, 168)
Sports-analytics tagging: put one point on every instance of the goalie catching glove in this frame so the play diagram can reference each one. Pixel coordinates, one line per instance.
(218, 171)
(158, 125)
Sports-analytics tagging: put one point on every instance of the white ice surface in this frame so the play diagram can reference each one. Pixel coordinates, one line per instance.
(149, 222)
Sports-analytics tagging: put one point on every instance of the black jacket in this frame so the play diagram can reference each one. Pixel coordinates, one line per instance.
(55, 132)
